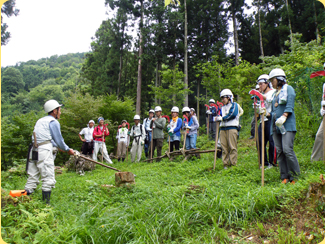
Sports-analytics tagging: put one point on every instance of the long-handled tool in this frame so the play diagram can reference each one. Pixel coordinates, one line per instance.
(185, 134)
(167, 117)
(151, 144)
(208, 119)
(216, 139)
(259, 95)
(93, 161)
(313, 75)
(127, 143)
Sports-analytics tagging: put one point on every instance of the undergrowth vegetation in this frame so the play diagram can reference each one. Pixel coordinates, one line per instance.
(172, 202)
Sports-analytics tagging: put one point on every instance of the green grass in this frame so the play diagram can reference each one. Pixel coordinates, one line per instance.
(172, 202)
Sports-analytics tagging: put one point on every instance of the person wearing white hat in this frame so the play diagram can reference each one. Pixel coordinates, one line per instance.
(88, 141)
(46, 135)
(211, 113)
(139, 135)
(158, 124)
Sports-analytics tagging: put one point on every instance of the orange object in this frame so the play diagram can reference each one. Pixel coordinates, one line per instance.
(285, 181)
(17, 193)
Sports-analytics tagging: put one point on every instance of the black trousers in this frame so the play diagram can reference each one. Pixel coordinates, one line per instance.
(174, 144)
(87, 148)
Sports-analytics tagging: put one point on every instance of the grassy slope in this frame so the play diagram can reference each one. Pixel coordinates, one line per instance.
(172, 202)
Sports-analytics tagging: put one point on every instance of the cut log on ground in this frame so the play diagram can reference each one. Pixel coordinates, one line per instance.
(124, 179)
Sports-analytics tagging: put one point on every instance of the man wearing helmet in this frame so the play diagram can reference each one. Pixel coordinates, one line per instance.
(99, 134)
(283, 117)
(267, 93)
(46, 135)
(174, 129)
(146, 124)
(158, 124)
(210, 114)
(229, 118)
(139, 134)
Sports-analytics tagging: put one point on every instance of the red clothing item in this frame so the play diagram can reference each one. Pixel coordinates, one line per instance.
(98, 131)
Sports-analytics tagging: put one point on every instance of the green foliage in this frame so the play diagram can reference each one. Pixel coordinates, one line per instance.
(12, 81)
(172, 90)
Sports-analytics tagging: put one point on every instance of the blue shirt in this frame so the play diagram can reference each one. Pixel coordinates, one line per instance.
(57, 136)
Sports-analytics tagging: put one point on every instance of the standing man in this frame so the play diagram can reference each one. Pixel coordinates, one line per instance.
(229, 118)
(317, 153)
(88, 142)
(210, 114)
(122, 140)
(99, 134)
(46, 129)
(283, 117)
(146, 124)
(158, 124)
(257, 88)
(139, 134)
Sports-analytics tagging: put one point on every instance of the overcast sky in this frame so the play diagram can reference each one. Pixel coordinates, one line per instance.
(47, 27)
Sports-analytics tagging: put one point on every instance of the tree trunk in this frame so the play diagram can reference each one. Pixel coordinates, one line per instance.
(318, 39)
(287, 5)
(233, 13)
(185, 57)
(138, 104)
(260, 30)
(198, 101)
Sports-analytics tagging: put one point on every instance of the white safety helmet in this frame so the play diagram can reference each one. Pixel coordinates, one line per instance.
(263, 78)
(136, 117)
(192, 109)
(175, 109)
(186, 109)
(226, 92)
(158, 109)
(91, 121)
(212, 101)
(276, 73)
(257, 87)
(151, 111)
(50, 105)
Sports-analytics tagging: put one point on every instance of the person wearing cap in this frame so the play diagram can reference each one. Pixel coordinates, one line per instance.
(139, 135)
(267, 93)
(283, 127)
(146, 124)
(191, 126)
(158, 124)
(88, 141)
(46, 135)
(174, 129)
(122, 140)
(193, 112)
(99, 134)
(210, 114)
(229, 122)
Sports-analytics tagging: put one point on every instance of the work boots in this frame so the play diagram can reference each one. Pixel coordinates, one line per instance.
(46, 196)
(123, 159)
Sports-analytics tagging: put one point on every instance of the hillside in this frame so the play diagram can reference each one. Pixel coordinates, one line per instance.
(172, 202)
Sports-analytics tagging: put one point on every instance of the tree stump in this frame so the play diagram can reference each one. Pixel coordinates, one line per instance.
(124, 179)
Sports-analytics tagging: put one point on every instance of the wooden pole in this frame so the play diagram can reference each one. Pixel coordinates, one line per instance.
(256, 136)
(216, 145)
(208, 125)
(262, 118)
(324, 125)
(185, 134)
(103, 143)
(151, 146)
(169, 144)
(93, 161)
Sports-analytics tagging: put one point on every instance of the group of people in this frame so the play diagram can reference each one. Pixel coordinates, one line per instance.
(279, 130)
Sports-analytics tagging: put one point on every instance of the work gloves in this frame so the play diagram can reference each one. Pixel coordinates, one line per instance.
(322, 112)
(188, 127)
(262, 110)
(129, 132)
(209, 112)
(171, 130)
(218, 118)
(280, 121)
